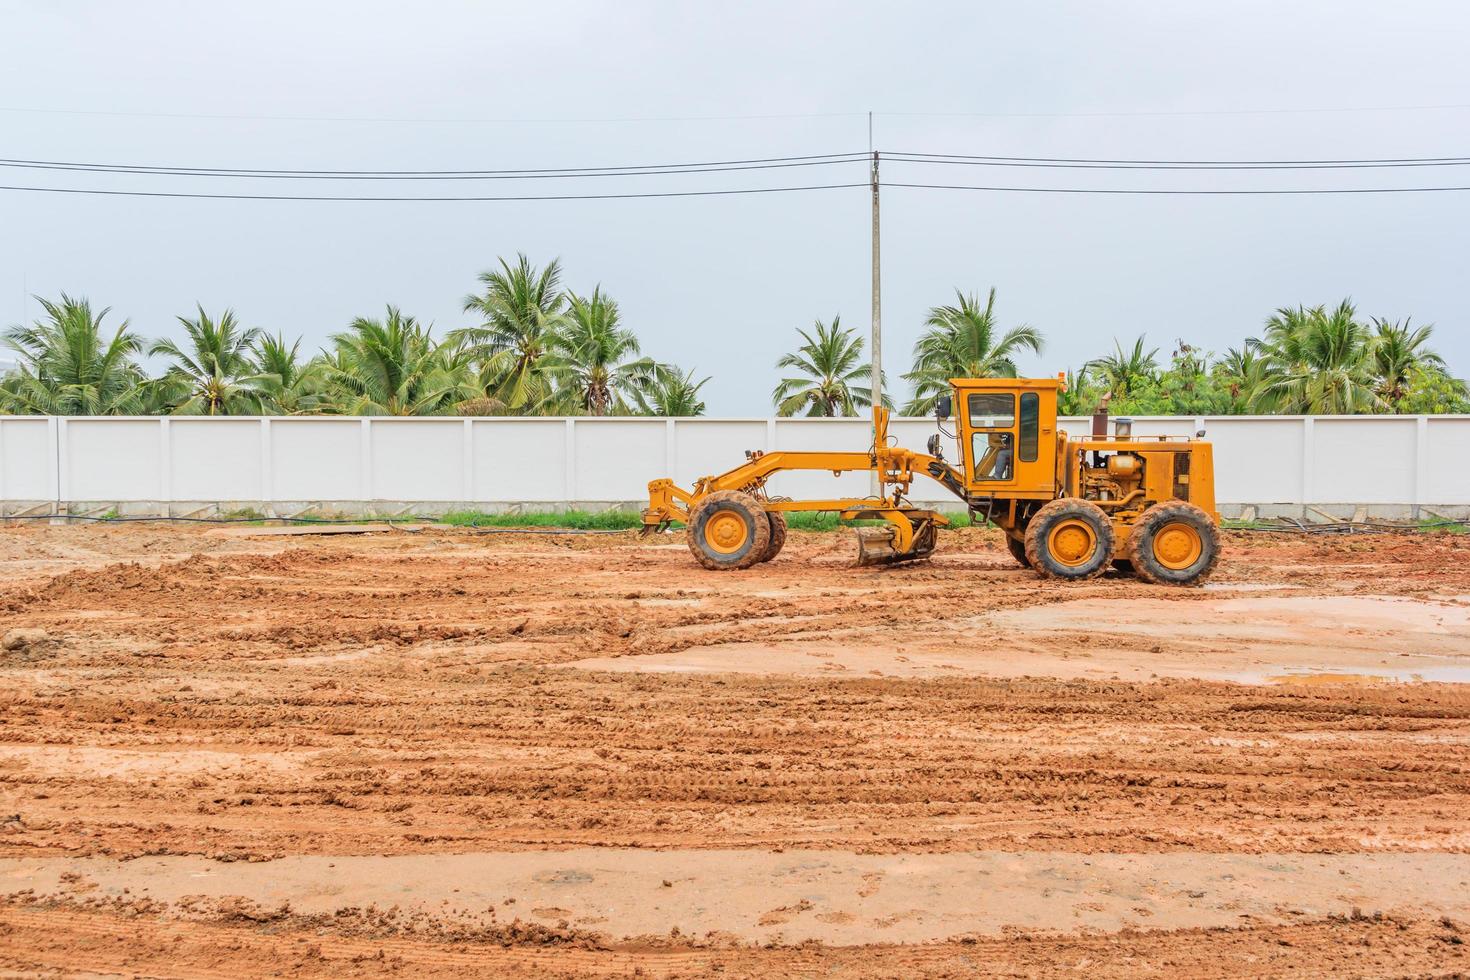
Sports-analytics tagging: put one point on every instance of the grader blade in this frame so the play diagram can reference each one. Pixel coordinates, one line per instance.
(876, 545)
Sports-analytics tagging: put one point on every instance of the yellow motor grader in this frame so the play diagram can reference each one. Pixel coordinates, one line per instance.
(1070, 508)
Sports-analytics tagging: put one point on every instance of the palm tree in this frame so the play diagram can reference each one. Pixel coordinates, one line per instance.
(283, 385)
(215, 376)
(589, 363)
(963, 341)
(70, 366)
(1121, 371)
(1316, 363)
(832, 362)
(1240, 370)
(521, 309)
(672, 395)
(393, 367)
(1397, 349)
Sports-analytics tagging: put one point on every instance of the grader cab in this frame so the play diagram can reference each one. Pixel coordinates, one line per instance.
(1070, 507)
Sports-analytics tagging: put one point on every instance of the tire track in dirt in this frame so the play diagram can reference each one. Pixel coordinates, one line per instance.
(518, 757)
(47, 939)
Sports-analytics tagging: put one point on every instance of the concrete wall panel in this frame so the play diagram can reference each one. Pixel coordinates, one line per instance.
(1394, 461)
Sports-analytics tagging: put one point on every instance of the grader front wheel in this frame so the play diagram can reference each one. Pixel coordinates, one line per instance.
(778, 534)
(727, 530)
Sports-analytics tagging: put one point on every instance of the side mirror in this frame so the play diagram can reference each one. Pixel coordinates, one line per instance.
(943, 407)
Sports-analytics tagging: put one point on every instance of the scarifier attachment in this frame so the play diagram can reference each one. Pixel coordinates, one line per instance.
(878, 545)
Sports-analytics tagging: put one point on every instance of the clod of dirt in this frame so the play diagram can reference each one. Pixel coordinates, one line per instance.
(28, 644)
(21, 639)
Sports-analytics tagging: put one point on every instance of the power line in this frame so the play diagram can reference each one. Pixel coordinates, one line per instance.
(1089, 164)
(720, 166)
(553, 120)
(642, 170)
(512, 197)
(966, 156)
(507, 120)
(1126, 190)
(726, 192)
(1184, 112)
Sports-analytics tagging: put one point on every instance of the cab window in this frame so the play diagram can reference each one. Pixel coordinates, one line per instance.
(992, 411)
(992, 416)
(1030, 424)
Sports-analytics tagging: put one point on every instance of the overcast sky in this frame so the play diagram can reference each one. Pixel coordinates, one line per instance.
(721, 283)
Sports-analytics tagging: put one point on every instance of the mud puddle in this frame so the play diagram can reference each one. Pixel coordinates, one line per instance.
(1254, 639)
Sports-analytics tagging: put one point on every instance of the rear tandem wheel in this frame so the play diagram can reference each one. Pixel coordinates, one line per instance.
(1174, 543)
(1069, 538)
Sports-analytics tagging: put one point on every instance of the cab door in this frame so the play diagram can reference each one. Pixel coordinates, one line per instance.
(1010, 440)
(989, 427)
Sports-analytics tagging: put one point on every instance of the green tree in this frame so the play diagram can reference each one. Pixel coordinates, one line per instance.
(1080, 395)
(393, 367)
(830, 364)
(1397, 350)
(521, 310)
(70, 365)
(283, 383)
(963, 341)
(1431, 390)
(215, 375)
(673, 394)
(1186, 387)
(1316, 363)
(592, 360)
(1122, 371)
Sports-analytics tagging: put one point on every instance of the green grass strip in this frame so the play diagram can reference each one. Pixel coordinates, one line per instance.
(575, 520)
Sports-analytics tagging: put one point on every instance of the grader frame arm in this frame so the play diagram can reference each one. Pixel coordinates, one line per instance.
(895, 467)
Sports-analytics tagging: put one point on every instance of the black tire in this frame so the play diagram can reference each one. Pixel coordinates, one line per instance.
(1018, 551)
(1070, 520)
(1180, 527)
(778, 534)
(734, 518)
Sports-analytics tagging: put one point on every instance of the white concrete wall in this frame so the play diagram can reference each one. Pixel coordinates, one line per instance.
(1391, 464)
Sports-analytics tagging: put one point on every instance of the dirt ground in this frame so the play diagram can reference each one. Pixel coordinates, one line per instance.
(447, 752)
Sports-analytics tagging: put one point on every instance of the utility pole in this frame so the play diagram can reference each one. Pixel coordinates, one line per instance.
(877, 351)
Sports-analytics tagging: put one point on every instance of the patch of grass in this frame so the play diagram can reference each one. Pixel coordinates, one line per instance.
(243, 514)
(807, 520)
(1438, 524)
(812, 520)
(624, 520)
(576, 520)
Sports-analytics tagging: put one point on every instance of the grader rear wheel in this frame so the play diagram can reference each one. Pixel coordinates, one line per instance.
(727, 530)
(1174, 543)
(778, 534)
(1069, 538)
(1018, 551)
